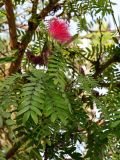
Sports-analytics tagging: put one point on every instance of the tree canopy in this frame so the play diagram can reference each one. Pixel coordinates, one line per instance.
(59, 80)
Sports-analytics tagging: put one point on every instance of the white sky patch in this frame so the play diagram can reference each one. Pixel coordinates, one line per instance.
(73, 27)
(81, 148)
(85, 43)
(102, 91)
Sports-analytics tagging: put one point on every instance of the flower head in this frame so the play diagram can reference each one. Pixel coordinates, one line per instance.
(59, 30)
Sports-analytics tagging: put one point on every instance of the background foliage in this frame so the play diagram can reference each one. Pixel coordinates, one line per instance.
(52, 107)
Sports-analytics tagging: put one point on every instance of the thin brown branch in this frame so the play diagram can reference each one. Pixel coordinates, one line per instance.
(46, 153)
(15, 148)
(91, 35)
(32, 26)
(48, 9)
(34, 8)
(11, 23)
(100, 38)
(106, 30)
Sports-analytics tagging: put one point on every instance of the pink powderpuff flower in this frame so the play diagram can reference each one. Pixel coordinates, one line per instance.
(59, 30)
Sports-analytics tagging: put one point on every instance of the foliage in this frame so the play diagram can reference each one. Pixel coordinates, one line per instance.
(53, 109)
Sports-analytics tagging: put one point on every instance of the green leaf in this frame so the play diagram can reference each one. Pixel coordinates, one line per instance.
(26, 102)
(53, 117)
(36, 110)
(10, 122)
(115, 124)
(26, 116)
(115, 40)
(26, 93)
(62, 116)
(6, 115)
(34, 117)
(23, 110)
(29, 89)
(49, 110)
(48, 142)
(7, 59)
(38, 156)
(56, 81)
(1, 158)
(35, 103)
(36, 98)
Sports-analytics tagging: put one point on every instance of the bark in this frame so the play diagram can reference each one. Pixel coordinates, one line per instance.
(11, 24)
(15, 148)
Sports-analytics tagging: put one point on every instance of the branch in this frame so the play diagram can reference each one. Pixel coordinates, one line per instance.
(11, 23)
(32, 26)
(104, 31)
(46, 153)
(102, 67)
(48, 9)
(107, 85)
(34, 8)
(15, 148)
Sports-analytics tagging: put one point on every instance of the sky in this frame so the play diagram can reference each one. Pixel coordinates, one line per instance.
(116, 9)
(73, 25)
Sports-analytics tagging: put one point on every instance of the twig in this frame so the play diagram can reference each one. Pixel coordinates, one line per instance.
(100, 38)
(114, 18)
